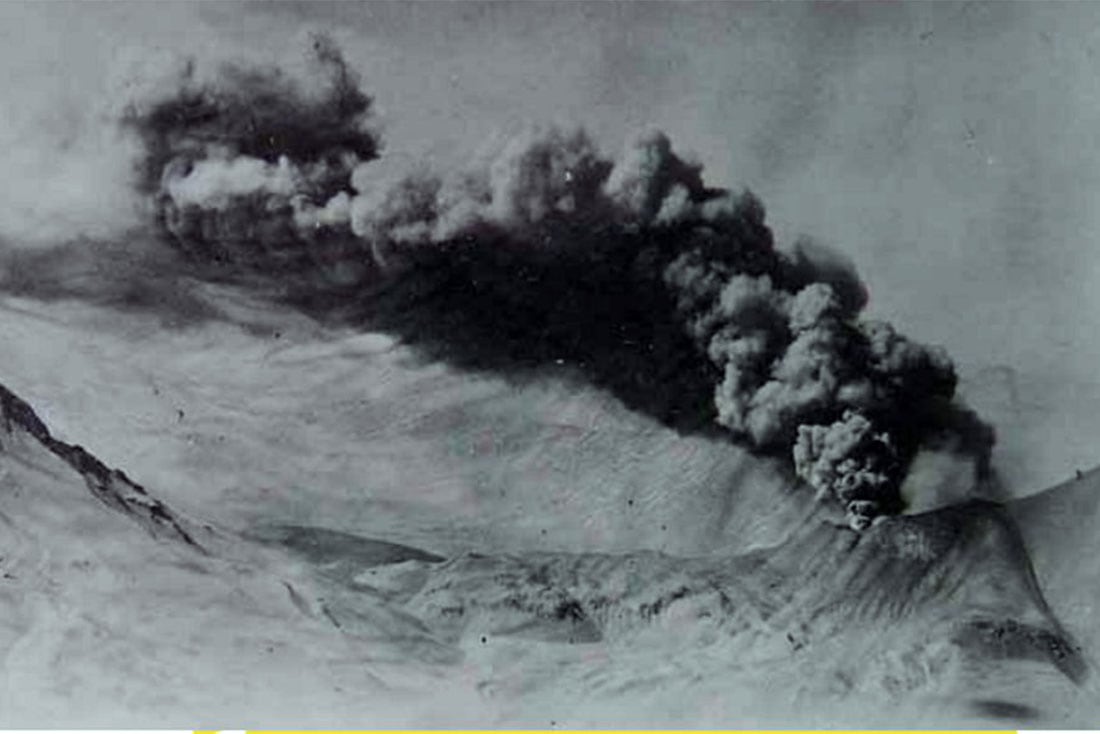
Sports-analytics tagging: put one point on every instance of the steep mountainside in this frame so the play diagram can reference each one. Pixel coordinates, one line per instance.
(117, 610)
(1060, 529)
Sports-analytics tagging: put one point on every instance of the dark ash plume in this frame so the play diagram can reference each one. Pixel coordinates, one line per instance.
(628, 270)
(250, 166)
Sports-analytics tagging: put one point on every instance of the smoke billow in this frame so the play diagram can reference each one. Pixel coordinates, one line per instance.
(628, 269)
(253, 165)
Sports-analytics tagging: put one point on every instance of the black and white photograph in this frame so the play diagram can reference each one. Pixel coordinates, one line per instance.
(549, 365)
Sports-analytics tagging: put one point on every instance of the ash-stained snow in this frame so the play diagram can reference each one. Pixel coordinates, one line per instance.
(489, 595)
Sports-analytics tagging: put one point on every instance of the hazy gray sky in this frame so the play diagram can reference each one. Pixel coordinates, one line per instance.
(951, 149)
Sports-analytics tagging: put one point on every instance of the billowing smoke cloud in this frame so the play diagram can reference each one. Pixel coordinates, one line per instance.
(797, 367)
(630, 270)
(252, 165)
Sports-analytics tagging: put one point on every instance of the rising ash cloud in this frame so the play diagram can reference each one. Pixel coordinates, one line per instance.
(627, 268)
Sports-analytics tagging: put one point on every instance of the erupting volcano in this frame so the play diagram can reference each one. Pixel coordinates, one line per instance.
(567, 254)
(536, 435)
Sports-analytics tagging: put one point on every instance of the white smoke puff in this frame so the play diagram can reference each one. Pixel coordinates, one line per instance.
(403, 210)
(649, 182)
(463, 200)
(395, 212)
(814, 356)
(812, 305)
(745, 360)
(216, 184)
(805, 381)
(532, 180)
(335, 213)
(778, 405)
(526, 187)
(859, 393)
(676, 207)
(744, 298)
(544, 172)
(638, 182)
(218, 108)
(739, 210)
(732, 396)
(942, 477)
(635, 182)
(735, 344)
(808, 449)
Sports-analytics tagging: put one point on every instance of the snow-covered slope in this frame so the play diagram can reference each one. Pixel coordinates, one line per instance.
(1060, 528)
(1046, 423)
(936, 610)
(119, 611)
(270, 417)
(337, 533)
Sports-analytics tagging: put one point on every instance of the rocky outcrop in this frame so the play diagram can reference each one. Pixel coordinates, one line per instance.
(110, 486)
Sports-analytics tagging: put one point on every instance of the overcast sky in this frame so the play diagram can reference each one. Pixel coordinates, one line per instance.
(951, 149)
